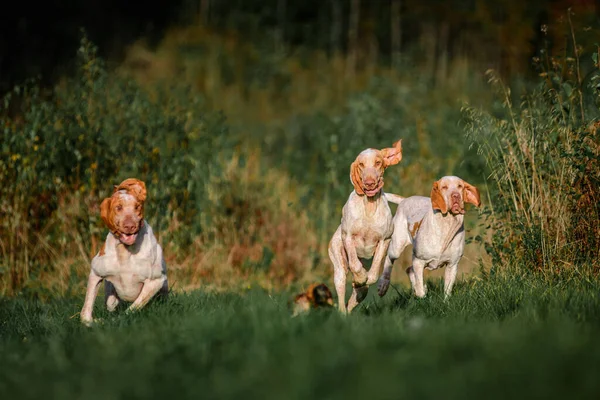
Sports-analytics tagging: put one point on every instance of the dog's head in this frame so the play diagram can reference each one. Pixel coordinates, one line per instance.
(123, 212)
(450, 193)
(366, 172)
(317, 295)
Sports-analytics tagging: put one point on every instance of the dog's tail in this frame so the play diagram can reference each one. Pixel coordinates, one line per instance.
(393, 198)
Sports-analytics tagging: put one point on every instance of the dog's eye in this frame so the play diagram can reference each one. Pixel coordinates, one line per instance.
(119, 207)
(361, 165)
(460, 186)
(137, 206)
(445, 187)
(378, 163)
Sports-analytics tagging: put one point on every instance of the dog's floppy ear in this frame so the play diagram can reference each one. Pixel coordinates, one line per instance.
(134, 187)
(392, 155)
(471, 194)
(105, 214)
(437, 200)
(356, 179)
(320, 295)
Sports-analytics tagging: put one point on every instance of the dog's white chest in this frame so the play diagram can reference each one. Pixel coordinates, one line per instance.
(128, 268)
(370, 233)
(438, 250)
(126, 275)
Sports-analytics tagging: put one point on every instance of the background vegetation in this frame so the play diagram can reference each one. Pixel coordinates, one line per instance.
(244, 119)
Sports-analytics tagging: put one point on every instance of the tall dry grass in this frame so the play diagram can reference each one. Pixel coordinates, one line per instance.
(544, 158)
(245, 150)
(221, 215)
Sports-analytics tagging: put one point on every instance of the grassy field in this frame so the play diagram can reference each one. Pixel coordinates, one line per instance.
(245, 149)
(498, 337)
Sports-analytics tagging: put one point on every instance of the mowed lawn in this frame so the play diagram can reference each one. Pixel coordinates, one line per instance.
(500, 337)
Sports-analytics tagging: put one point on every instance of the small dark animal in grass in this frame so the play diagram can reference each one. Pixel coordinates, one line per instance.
(318, 295)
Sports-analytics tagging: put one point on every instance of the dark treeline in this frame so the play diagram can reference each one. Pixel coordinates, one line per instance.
(40, 37)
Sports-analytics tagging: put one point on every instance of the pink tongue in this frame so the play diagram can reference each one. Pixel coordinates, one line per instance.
(373, 192)
(128, 239)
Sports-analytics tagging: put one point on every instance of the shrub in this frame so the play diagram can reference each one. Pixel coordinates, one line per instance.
(61, 152)
(544, 157)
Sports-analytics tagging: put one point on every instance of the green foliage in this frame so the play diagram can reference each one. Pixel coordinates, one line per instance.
(63, 151)
(544, 155)
(496, 338)
(318, 147)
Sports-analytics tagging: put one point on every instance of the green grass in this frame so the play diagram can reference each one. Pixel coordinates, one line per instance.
(496, 338)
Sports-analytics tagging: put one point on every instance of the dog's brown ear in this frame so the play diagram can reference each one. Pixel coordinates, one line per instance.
(471, 194)
(134, 187)
(437, 200)
(321, 295)
(105, 214)
(356, 179)
(392, 155)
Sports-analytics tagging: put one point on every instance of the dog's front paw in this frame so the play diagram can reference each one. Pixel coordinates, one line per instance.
(422, 292)
(132, 309)
(89, 322)
(383, 285)
(360, 278)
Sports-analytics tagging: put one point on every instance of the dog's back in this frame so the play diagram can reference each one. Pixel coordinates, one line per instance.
(413, 209)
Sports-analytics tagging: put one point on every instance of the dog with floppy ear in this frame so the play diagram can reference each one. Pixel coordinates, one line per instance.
(130, 262)
(366, 226)
(435, 227)
(317, 295)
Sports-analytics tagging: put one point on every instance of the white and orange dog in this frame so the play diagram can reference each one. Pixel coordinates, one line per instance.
(131, 261)
(435, 228)
(366, 227)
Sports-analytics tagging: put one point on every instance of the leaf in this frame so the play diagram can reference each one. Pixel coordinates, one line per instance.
(567, 88)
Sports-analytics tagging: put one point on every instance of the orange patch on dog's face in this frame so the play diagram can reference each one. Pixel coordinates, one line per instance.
(123, 212)
(450, 193)
(101, 253)
(366, 172)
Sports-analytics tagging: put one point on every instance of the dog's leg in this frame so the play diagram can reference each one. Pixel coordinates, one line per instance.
(339, 279)
(337, 256)
(449, 278)
(378, 260)
(150, 288)
(90, 296)
(418, 267)
(411, 275)
(384, 282)
(358, 295)
(359, 273)
(110, 296)
(397, 246)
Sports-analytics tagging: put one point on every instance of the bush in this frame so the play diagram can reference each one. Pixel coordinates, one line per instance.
(545, 162)
(61, 152)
